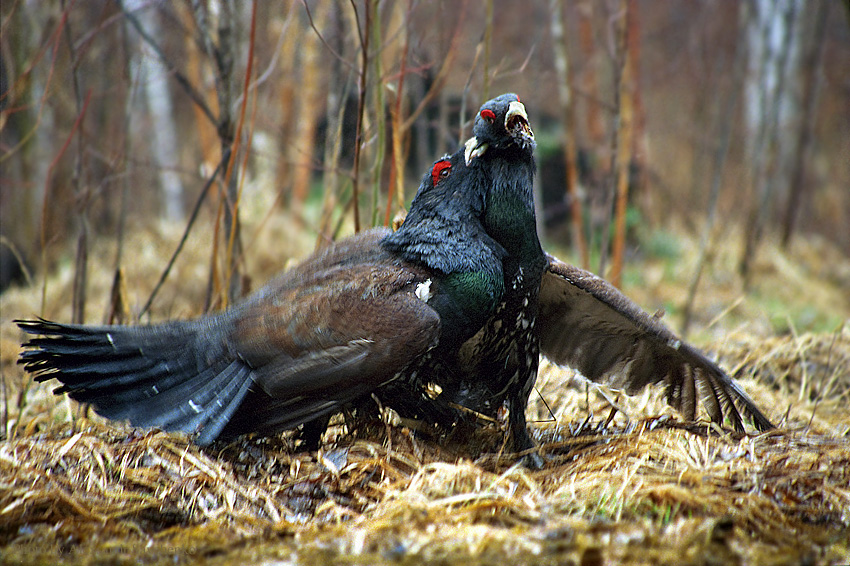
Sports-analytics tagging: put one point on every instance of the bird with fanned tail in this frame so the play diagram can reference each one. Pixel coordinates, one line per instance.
(460, 301)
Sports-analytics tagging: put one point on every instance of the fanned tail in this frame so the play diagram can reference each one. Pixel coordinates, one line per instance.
(152, 376)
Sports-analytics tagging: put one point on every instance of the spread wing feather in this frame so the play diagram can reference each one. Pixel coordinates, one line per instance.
(587, 324)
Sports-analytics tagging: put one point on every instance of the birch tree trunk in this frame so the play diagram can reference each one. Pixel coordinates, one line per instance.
(163, 144)
(559, 44)
(769, 29)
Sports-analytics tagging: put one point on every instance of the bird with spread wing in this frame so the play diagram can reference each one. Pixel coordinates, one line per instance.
(462, 296)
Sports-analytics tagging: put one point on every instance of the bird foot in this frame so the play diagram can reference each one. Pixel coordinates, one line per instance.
(533, 461)
(527, 450)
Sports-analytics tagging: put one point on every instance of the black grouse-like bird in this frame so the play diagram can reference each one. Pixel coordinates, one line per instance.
(327, 333)
(497, 367)
(573, 317)
(461, 297)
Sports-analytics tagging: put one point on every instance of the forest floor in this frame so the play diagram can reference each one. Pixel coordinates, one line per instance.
(625, 485)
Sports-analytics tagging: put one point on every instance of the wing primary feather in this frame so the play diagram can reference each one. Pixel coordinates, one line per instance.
(709, 399)
(688, 402)
(588, 324)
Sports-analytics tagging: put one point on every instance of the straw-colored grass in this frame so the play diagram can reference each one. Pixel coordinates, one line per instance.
(631, 485)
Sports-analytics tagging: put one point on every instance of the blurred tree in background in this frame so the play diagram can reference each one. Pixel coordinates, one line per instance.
(118, 114)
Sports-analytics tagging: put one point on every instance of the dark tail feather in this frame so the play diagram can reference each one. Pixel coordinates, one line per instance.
(149, 375)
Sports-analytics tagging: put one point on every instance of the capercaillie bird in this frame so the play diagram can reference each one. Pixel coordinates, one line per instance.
(327, 333)
(574, 317)
(569, 315)
(498, 366)
(462, 296)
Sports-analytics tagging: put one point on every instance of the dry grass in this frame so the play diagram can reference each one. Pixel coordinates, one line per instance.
(631, 486)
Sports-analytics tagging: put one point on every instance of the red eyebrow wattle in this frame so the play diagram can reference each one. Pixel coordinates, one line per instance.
(438, 168)
(488, 114)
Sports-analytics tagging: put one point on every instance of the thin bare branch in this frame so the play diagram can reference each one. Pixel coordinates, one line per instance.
(333, 51)
(442, 74)
(363, 36)
(181, 79)
(233, 253)
(727, 112)
(625, 136)
(225, 158)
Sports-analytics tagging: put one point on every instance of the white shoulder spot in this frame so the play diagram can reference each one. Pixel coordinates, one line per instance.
(423, 290)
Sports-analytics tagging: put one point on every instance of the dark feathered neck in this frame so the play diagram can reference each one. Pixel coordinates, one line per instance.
(443, 233)
(508, 179)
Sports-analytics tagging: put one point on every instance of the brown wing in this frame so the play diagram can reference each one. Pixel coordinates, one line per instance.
(587, 324)
(336, 335)
(322, 334)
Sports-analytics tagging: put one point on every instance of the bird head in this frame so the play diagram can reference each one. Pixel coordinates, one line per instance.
(443, 228)
(440, 171)
(434, 195)
(501, 123)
